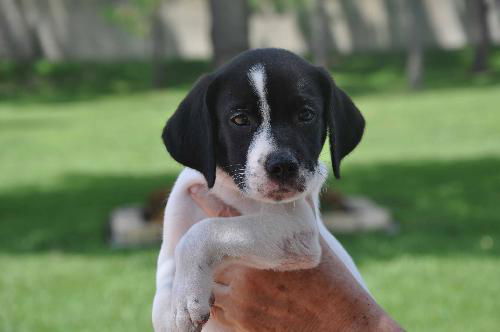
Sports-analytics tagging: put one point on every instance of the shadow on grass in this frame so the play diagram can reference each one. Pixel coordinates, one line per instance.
(71, 217)
(444, 208)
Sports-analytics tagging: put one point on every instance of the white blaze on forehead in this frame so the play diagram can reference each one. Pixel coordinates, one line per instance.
(262, 143)
(258, 79)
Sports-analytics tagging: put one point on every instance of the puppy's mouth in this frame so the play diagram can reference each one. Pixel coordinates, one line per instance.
(280, 192)
(281, 195)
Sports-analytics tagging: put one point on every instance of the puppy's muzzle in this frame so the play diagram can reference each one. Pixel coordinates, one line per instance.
(282, 167)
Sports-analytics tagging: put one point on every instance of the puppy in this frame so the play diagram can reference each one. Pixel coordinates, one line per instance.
(252, 132)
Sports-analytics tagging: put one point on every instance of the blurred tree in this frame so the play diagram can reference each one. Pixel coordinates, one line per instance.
(319, 33)
(17, 37)
(415, 47)
(145, 17)
(31, 30)
(157, 31)
(480, 33)
(313, 21)
(229, 28)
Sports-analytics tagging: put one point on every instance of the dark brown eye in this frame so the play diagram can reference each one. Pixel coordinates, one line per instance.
(306, 115)
(240, 119)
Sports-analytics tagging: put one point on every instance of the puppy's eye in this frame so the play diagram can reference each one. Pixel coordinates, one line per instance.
(240, 119)
(306, 115)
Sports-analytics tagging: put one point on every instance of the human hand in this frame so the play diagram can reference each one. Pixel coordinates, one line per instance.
(325, 298)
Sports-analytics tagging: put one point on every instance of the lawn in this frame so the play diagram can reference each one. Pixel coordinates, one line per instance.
(70, 152)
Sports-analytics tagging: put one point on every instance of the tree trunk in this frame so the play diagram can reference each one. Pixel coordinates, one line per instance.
(229, 28)
(17, 34)
(52, 28)
(480, 34)
(319, 33)
(415, 48)
(158, 47)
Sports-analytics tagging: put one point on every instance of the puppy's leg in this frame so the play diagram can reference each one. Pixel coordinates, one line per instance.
(180, 214)
(285, 238)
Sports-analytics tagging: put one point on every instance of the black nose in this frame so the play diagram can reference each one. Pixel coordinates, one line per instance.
(282, 166)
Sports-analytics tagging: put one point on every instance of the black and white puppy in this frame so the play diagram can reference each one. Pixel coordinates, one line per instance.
(252, 132)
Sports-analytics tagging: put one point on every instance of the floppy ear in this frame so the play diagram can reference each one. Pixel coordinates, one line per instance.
(344, 120)
(189, 134)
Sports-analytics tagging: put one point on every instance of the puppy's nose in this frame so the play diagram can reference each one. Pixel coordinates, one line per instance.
(282, 166)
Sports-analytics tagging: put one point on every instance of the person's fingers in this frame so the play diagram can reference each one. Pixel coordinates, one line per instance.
(229, 211)
(221, 294)
(223, 276)
(211, 205)
(208, 203)
(218, 314)
(230, 272)
(223, 306)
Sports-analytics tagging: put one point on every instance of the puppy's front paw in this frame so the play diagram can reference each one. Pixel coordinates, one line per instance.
(192, 287)
(190, 307)
(189, 313)
(185, 308)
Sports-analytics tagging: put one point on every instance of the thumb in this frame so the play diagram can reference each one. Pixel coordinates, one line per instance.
(207, 202)
(210, 204)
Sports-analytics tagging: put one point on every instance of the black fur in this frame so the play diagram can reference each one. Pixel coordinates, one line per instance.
(189, 133)
(345, 122)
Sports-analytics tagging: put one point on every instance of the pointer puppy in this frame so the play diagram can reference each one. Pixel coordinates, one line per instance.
(252, 131)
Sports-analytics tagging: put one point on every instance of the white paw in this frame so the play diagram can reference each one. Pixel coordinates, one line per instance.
(190, 302)
(192, 287)
(188, 310)
(189, 313)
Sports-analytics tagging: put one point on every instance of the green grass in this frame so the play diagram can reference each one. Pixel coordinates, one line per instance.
(68, 157)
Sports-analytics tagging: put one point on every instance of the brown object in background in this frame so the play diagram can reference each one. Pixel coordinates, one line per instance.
(138, 226)
(155, 206)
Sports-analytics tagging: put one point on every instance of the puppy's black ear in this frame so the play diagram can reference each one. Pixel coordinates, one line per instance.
(189, 134)
(344, 120)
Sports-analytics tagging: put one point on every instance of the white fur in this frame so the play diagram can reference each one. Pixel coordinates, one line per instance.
(258, 79)
(195, 246)
(262, 142)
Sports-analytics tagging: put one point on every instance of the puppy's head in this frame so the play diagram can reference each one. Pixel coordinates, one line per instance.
(263, 119)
